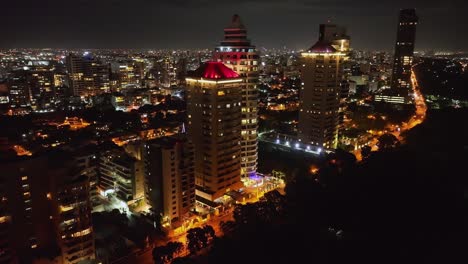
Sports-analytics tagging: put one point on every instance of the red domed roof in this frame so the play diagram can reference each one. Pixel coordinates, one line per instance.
(322, 47)
(214, 70)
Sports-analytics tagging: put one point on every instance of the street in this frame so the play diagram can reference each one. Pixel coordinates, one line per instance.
(256, 191)
(415, 120)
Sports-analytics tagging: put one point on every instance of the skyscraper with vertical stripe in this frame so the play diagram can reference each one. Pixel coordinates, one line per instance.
(404, 49)
(236, 52)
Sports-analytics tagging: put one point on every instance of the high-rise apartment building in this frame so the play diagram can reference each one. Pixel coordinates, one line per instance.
(169, 177)
(321, 74)
(214, 125)
(47, 209)
(404, 49)
(181, 72)
(340, 40)
(87, 75)
(32, 86)
(240, 55)
(126, 73)
(19, 89)
(75, 230)
(85, 158)
(41, 82)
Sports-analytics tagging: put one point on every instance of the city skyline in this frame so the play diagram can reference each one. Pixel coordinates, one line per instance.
(142, 24)
(235, 153)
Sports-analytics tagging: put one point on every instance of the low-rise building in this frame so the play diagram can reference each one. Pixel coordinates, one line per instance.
(121, 174)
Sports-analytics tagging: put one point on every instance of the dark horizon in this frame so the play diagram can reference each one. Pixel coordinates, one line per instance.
(143, 24)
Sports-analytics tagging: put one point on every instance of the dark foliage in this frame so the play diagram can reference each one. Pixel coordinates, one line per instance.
(365, 152)
(443, 77)
(199, 238)
(387, 142)
(166, 254)
(399, 206)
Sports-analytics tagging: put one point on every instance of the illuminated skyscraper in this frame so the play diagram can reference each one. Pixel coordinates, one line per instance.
(20, 90)
(337, 37)
(237, 53)
(32, 86)
(126, 73)
(404, 48)
(214, 125)
(87, 75)
(321, 74)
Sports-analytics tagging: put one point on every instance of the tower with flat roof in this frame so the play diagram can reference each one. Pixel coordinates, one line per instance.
(321, 73)
(404, 49)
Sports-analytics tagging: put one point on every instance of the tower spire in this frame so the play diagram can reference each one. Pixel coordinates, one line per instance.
(236, 22)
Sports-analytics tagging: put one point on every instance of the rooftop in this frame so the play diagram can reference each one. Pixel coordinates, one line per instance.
(322, 47)
(167, 141)
(214, 70)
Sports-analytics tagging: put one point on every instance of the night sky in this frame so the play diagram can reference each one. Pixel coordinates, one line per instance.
(199, 23)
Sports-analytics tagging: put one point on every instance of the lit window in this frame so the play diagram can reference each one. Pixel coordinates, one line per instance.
(66, 208)
(3, 219)
(82, 232)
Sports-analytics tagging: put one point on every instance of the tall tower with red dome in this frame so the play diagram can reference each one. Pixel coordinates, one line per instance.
(214, 126)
